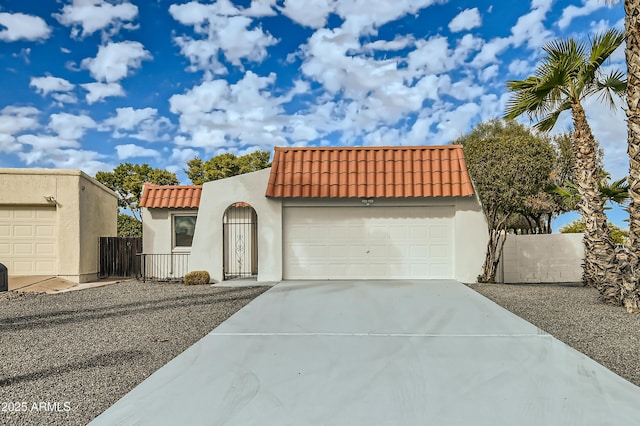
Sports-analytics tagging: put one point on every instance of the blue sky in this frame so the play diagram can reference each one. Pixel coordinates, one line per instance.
(90, 84)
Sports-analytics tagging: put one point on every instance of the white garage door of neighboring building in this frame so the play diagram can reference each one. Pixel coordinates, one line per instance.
(28, 240)
(368, 242)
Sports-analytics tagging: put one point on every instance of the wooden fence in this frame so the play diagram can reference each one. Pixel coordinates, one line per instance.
(118, 256)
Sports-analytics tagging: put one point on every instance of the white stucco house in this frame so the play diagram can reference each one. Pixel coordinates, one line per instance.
(51, 220)
(328, 213)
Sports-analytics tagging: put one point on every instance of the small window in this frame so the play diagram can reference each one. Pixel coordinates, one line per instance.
(183, 229)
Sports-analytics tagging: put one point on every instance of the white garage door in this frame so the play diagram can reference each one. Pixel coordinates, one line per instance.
(28, 240)
(368, 242)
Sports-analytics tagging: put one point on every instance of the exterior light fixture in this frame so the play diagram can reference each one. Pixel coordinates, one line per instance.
(367, 201)
(50, 198)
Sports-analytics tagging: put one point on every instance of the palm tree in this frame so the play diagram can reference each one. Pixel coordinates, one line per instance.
(569, 73)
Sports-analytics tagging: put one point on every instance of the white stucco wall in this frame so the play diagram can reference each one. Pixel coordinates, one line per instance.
(85, 211)
(471, 239)
(543, 258)
(157, 230)
(206, 252)
(207, 249)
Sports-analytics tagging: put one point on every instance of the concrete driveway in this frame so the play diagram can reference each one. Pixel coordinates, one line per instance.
(378, 353)
(52, 284)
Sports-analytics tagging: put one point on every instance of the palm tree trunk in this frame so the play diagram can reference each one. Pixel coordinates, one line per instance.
(632, 23)
(600, 269)
(631, 280)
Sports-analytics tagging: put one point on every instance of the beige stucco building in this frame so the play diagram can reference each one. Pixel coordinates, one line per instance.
(51, 220)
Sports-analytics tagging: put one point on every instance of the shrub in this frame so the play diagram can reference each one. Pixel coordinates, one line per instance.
(197, 278)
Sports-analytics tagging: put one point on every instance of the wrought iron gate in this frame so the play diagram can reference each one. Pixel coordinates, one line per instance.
(240, 241)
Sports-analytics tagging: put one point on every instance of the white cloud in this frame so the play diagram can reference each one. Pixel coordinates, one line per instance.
(128, 118)
(134, 151)
(432, 56)
(142, 124)
(519, 67)
(64, 98)
(225, 28)
(101, 91)
(398, 43)
(202, 55)
(310, 13)
(69, 126)
(455, 123)
(14, 119)
(87, 161)
(489, 52)
(571, 12)
(216, 113)
(181, 156)
(48, 84)
(365, 17)
(115, 61)
(44, 144)
(489, 73)
(530, 28)
(8, 144)
(465, 20)
(96, 15)
(18, 26)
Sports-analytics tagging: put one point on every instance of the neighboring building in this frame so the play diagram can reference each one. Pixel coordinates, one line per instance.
(168, 224)
(51, 220)
(331, 213)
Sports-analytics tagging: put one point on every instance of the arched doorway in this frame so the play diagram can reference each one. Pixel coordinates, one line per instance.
(240, 241)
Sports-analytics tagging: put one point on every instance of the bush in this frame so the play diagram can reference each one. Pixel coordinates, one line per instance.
(197, 278)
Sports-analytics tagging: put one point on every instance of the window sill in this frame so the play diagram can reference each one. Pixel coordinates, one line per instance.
(181, 250)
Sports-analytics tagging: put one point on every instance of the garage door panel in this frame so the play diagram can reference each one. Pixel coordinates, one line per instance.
(376, 242)
(339, 251)
(23, 249)
(23, 231)
(49, 214)
(29, 240)
(24, 213)
(45, 249)
(45, 231)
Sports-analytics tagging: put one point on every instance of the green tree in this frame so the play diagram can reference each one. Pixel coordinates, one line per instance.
(129, 226)
(618, 235)
(225, 165)
(508, 163)
(568, 74)
(127, 180)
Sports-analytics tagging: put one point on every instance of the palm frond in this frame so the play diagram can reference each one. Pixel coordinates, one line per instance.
(617, 191)
(603, 45)
(550, 119)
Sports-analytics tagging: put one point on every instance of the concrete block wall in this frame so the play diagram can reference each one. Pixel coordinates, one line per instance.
(542, 258)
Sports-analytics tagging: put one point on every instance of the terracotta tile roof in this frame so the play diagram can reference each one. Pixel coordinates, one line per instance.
(363, 172)
(170, 196)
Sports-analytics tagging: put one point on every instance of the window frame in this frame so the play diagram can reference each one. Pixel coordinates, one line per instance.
(174, 246)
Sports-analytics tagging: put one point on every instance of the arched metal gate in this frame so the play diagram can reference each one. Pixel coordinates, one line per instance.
(240, 235)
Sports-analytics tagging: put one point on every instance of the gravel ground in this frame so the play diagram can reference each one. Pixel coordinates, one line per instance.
(65, 358)
(572, 313)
